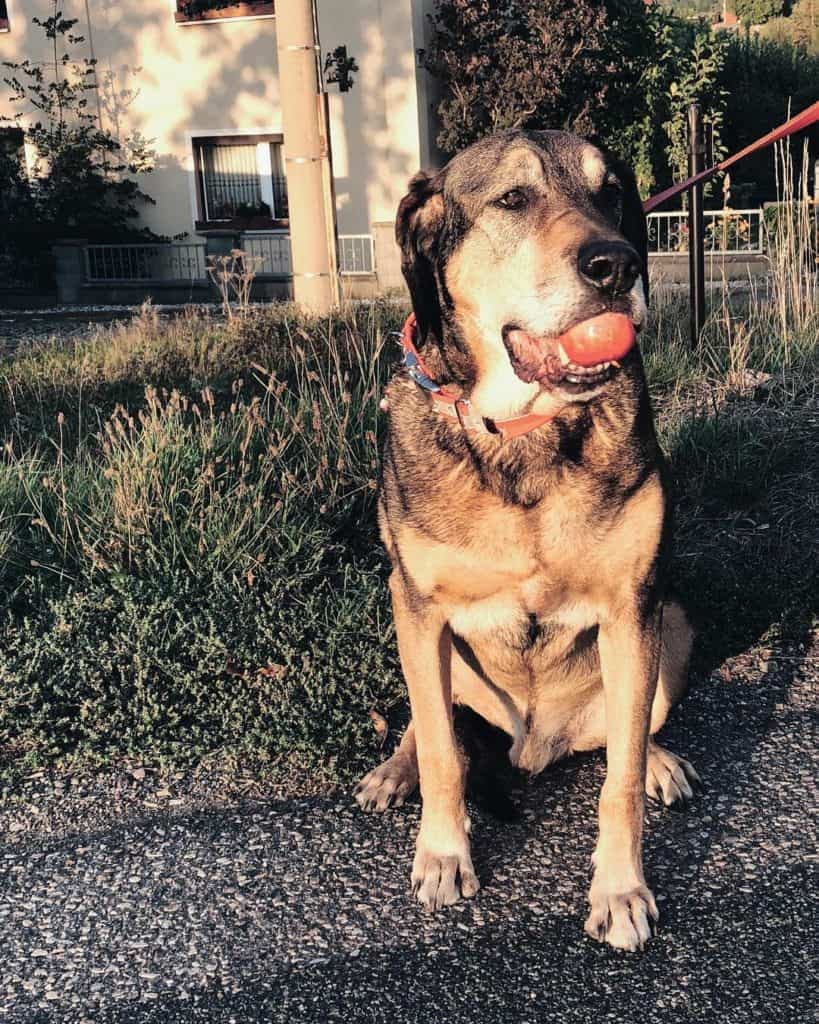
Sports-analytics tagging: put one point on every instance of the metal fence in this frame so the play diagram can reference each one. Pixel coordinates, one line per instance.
(272, 250)
(727, 232)
(187, 262)
(355, 254)
(165, 262)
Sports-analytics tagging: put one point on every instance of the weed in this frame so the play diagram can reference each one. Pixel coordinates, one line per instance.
(188, 557)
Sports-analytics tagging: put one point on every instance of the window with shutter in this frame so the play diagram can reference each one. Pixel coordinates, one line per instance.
(240, 177)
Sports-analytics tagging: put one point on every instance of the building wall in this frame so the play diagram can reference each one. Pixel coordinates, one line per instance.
(375, 130)
(168, 82)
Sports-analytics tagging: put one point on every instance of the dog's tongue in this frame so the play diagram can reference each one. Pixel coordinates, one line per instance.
(599, 339)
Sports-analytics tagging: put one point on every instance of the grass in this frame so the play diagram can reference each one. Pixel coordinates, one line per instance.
(187, 544)
(189, 567)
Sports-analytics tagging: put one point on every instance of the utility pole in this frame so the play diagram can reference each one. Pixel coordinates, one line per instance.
(696, 232)
(307, 159)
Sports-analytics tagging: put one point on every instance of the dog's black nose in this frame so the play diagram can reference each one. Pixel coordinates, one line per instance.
(612, 267)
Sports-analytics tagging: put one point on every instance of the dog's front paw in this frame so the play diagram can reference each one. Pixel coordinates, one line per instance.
(441, 876)
(623, 919)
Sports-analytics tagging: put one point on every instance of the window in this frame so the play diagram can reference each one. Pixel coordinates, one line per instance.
(4, 16)
(240, 177)
(192, 11)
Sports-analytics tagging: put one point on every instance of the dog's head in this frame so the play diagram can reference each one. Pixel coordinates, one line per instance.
(522, 236)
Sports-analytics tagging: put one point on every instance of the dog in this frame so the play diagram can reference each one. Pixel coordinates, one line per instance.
(526, 512)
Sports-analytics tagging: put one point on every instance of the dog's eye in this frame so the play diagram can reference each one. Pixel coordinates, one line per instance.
(514, 199)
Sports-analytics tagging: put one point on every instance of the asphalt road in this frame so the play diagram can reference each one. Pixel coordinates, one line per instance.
(300, 910)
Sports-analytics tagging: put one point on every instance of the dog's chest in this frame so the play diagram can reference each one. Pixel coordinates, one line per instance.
(510, 573)
(519, 614)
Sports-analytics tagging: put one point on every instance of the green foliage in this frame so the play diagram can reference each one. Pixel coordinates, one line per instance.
(699, 55)
(193, 570)
(801, 28)
(756, 12)
(522, 64)
(622, 71)
(767, 81)
(80, 184)
(171, 667)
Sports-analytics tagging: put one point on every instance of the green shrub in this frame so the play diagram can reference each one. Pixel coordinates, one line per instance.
(170, 668)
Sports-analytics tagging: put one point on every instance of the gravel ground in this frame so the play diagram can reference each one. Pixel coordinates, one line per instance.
(16, 330)
(63, 324)
(298, 909)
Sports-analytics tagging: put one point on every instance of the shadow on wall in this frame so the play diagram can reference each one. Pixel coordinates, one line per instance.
(374, 117)
(159, 83)
(227, 86)
(162, 84)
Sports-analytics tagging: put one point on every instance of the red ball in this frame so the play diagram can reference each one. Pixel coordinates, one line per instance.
(599, 340)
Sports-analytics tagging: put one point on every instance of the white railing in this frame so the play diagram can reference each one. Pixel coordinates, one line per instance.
(163, 261)
(272, 250)
(727, 232)
(355, 254)
(177, 262)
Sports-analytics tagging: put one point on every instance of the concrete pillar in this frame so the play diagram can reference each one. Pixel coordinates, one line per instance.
(387, 257)
(69, 269)
(306, 146)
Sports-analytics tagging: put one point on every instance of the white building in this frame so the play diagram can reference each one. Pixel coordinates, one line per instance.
(202, 85)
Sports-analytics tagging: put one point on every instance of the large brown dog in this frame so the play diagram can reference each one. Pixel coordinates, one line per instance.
(529, 573)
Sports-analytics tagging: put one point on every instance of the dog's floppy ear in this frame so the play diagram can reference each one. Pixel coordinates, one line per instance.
(417, 229)
(633, 224)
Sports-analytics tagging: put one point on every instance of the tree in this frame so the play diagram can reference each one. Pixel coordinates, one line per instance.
(757, 12)
(520, 64)
(801, 27)
(767, 82)
(621, 70)
(699, 55)
(80, 183)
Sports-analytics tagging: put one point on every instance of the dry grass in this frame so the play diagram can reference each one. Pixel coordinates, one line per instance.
(188, 559)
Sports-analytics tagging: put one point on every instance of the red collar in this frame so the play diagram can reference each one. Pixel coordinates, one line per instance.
(460, 409)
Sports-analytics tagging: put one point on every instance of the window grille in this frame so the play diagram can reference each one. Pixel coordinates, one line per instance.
(240, 176)
(231, 179)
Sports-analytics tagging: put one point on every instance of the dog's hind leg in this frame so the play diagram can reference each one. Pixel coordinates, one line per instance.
(669, 778)
(677, 638)
(389, 784)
